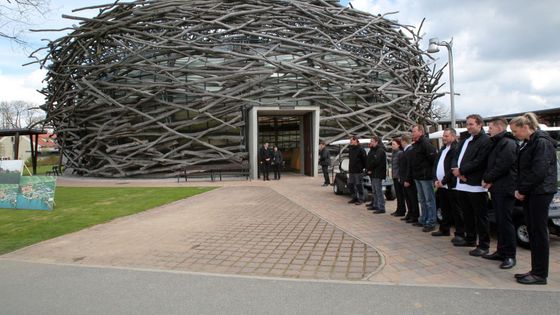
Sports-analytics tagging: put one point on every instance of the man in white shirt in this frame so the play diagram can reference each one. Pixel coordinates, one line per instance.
(469, 167)
(445, 183)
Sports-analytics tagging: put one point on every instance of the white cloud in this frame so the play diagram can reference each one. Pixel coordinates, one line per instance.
(505, 57)
(22, 87)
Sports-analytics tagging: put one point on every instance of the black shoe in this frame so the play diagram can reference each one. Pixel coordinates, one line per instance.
(412, 221)
(477, 252)
(508, 263)
(493, 256)
(417, 224)
(464, 244)
(521, 275)
(359, 202)
(352, 200)
(440, 233)
(379, 211)
(428, 228)
(325, 185)
(398, 214)
(404, 218)
(531, 279)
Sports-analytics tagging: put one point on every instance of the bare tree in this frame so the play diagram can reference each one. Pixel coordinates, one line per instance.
(19, 114)
(16, 14)
(439, 111)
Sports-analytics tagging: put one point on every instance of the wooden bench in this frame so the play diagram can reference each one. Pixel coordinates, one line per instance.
(218, 172)
(55, 171)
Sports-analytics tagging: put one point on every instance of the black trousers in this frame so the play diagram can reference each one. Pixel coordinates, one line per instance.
(276, 168)
(447, 204)
(475, 214)
(399, 191)
(325, 169)
(456, 212)
(535, 208)
(411, 198)
(265, 167)
(503, 204)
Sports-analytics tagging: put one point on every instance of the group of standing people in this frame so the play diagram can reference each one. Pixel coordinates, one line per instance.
(270, 158)
(520, 165)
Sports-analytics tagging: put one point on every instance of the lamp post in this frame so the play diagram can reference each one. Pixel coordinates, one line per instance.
(433, 48)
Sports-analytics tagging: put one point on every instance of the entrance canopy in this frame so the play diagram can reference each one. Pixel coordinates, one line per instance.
(33, 137)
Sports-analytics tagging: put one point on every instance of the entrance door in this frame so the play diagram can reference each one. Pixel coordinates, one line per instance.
(276, 125)
(307, 145)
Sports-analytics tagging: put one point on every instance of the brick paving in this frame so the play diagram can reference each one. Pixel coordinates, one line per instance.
(288, 228)
(235, 230)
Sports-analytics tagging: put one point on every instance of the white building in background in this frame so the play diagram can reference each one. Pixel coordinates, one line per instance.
(46, 145)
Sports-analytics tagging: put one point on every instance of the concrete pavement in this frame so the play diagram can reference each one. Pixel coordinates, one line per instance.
(292, 228)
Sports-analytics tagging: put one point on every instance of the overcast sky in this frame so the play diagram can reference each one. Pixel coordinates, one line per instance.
(506, 52)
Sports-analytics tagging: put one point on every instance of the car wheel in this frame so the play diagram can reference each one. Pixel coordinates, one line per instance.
(439, 215)
(390, 193)
(522, 233)
(337, 189)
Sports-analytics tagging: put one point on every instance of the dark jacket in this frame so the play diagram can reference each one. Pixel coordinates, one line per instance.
(422, 159)
(501, 170)
(377, 162)
(395, 168)
(448, 178)
(358, 159)
(537, 165)
(404, 166)
(475, 158)
(277, 157)
(265, 154)
(324, 157)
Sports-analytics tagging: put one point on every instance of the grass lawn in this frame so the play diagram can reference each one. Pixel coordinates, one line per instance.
(78, 208)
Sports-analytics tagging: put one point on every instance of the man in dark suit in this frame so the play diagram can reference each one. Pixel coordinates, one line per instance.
(411, 194)
(444, 183)
(265, 157)
(469, 166)
(499, 179)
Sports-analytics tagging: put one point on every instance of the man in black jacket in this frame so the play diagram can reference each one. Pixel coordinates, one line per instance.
(445, 183)
(469, 166)
(421, 168)
(325, 162)
(411, 194)
(500, 178)
(357, 164)
(377, 171)
(265, 157)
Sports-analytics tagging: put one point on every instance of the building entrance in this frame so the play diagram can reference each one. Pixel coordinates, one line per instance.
(294, 132)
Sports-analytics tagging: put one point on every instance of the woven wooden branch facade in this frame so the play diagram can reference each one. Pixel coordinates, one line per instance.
(147, 87)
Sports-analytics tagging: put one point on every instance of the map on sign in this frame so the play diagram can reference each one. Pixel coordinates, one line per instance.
(24, 192)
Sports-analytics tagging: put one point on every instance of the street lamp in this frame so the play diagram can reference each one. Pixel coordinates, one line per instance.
(433, 48)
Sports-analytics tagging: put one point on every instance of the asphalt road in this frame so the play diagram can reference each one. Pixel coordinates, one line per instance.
(31, 288)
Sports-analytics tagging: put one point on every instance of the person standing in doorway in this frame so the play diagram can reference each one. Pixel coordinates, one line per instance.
(325, 162)
(499, 179)
(469, 166)
(535, 188)
(377, 171)
(357, 164)
(399, 189)
(277, 162)
(421, 168)
(265, 158)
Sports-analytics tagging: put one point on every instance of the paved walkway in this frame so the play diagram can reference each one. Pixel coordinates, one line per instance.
(290, 228)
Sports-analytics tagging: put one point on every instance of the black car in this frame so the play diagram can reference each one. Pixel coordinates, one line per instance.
(340, 182)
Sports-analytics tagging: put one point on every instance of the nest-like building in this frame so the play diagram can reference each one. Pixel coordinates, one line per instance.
(149, 87)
